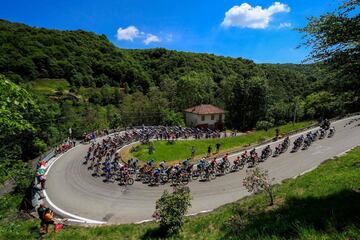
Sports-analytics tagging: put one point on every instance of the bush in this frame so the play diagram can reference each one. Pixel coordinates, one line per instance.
(171, 209)
(281, 122)
(263, 125)
(39, 146)
(171, 118)
(257, 180)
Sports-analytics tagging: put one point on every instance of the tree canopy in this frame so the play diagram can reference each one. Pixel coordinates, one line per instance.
(334, 39)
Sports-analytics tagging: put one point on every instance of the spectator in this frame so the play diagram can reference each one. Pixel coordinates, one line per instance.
(209, 150)
(41, 212)
(40, 163)
(277, 131)
(193, 151)
(217, 147)
(41, 177)
(48, 219)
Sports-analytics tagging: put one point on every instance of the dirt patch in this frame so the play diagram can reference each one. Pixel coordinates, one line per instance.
(278, 202)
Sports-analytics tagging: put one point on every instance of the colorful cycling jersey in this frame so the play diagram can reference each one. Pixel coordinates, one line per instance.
(150, 163)
(156, 172)
(185, 162)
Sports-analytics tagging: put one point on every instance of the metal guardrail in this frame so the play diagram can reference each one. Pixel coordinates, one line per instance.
(49, 156)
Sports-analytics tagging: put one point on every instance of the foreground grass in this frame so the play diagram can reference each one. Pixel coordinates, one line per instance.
(322, 204)
(182, 149)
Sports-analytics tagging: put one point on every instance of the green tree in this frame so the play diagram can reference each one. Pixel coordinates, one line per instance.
(194, 88)
(168, 87)
(171, 209)
(247, 104)
(257, 180)
(115, 121)
(323, 104)
(15, 103)
(334, 39)
(263, 125)
(171, 118)
(16, 109)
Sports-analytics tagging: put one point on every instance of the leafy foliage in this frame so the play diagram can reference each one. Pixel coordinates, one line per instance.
(171, 209)
(257, 180)
(80, 80)
(334, 39)
(15, 103)
(263, 125)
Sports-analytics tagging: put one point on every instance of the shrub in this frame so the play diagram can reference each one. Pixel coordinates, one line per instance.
(171, 209)
(257, 180)
(39, 146)
(263, 125)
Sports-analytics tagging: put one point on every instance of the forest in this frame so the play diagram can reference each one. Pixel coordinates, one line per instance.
(53, 80)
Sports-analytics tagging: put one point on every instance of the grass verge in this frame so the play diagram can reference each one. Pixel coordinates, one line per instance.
(322, 204)
(182, 149)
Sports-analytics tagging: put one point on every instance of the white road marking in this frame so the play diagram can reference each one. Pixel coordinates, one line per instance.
(86, 220)
(188, 215)
(144, 221)
(309, 170)
(80, 219)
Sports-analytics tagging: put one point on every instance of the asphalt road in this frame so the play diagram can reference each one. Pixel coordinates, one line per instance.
(72, 189)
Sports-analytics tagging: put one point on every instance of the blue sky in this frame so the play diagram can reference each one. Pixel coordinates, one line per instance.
(258, 30)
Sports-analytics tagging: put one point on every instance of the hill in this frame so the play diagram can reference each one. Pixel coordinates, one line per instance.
(80, 80)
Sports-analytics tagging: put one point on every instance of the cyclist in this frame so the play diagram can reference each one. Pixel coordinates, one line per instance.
(162, 165)
(244, 155)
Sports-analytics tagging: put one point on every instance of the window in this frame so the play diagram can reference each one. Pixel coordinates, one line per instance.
(220, 118)
(202, 118)
(212, 117)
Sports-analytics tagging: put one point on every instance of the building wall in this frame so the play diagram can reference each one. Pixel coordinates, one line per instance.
(194, 119)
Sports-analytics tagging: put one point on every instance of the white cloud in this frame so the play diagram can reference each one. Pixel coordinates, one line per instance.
(151, 38)
(169, 37)
(285, 25)
(131, 32)
(128, 34)
(246, 16)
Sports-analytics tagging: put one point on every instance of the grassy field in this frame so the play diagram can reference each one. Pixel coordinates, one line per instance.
(182, 149)
(322, 204)
(48, 86)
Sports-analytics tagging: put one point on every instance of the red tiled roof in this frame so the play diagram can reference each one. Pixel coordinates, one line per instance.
(204, 109)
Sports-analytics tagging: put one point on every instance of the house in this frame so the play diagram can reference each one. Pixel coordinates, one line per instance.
(205, 116)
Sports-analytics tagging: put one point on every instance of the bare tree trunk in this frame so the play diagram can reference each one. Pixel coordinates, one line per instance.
(269, 191)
